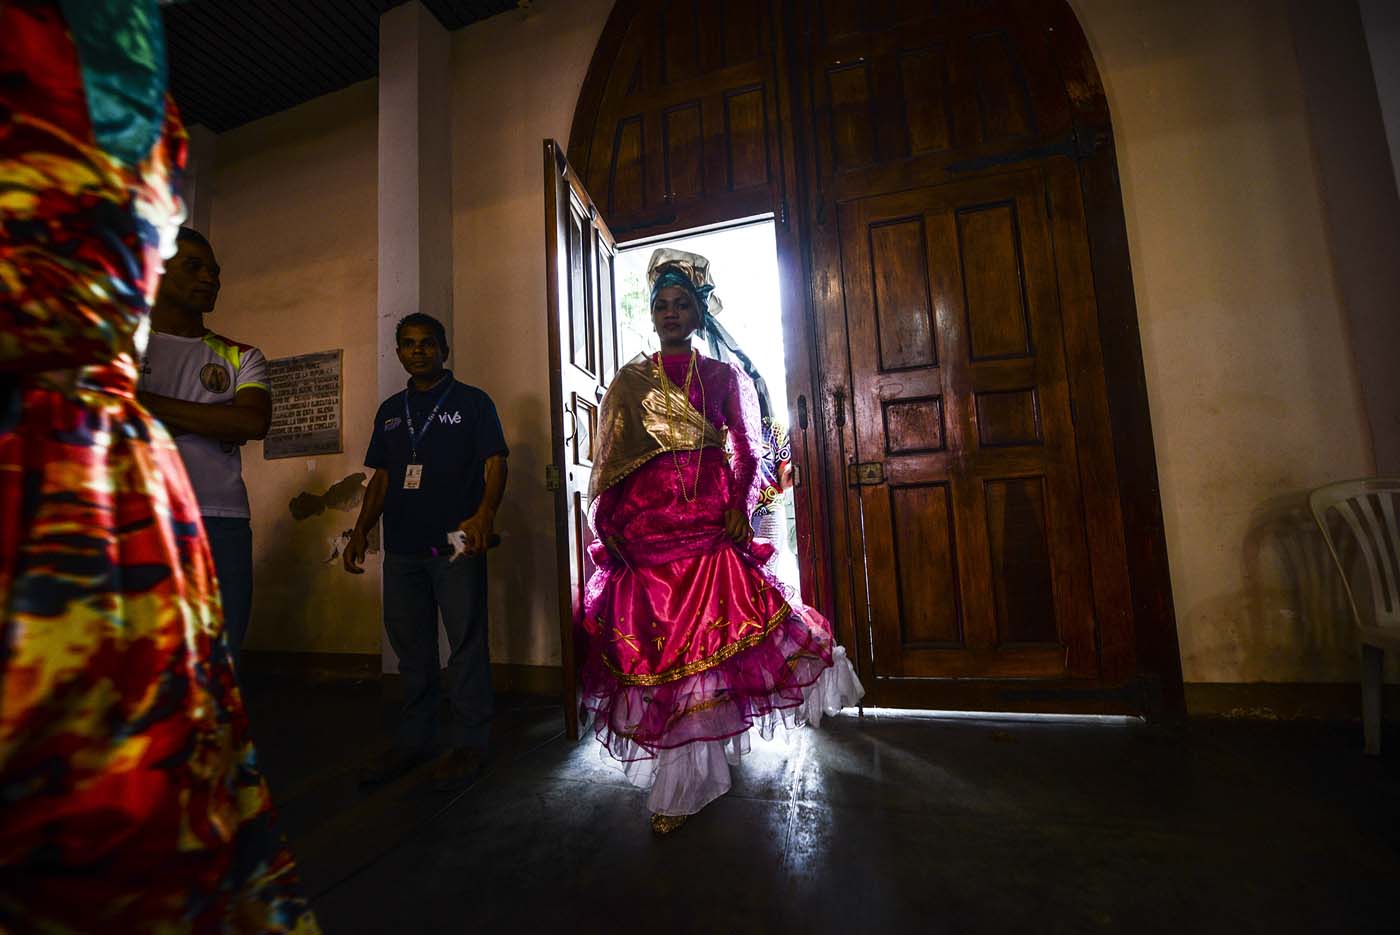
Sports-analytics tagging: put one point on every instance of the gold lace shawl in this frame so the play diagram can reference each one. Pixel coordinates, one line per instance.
(644, 414)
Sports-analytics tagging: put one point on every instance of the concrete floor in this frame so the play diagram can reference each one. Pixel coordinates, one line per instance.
(886, 824)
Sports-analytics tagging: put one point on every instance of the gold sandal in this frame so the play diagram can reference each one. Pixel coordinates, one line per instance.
(665, 824)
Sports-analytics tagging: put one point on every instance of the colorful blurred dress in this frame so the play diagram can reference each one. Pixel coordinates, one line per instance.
(689, 640)
(130, 801)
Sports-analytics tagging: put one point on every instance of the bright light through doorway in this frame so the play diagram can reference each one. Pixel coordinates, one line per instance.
(744, 268)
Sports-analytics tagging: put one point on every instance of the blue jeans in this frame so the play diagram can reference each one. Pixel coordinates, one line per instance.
(415, 589)
(231, 541)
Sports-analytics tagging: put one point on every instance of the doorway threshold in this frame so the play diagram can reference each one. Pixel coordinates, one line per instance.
(1023, 716)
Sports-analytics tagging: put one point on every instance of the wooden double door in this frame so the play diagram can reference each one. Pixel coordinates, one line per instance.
(931, 169)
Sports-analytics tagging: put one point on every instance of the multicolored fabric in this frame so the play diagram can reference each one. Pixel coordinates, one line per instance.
(121, 51)
(130, 799)
(777, 455)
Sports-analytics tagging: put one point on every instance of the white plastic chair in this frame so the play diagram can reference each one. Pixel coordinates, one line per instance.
(1370, 508)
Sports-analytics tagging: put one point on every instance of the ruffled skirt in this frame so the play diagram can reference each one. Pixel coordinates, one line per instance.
(684, 658)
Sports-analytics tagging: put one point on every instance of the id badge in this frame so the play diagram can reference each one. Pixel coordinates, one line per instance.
(413, 477)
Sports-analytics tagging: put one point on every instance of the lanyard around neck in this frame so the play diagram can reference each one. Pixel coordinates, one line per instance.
(415, 437)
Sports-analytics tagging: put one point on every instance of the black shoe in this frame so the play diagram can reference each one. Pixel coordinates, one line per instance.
(390, 765)
(457, 769)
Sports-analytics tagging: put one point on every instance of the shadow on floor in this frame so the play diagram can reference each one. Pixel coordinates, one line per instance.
(875, 824)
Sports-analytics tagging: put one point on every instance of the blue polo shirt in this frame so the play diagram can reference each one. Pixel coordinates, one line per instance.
(464, 432)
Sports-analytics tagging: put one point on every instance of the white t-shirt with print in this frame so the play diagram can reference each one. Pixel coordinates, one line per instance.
(210, 369)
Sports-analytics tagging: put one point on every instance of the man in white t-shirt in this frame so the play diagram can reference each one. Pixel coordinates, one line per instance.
(211, 393)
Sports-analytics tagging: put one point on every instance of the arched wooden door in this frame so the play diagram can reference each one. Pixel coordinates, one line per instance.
(980, 515)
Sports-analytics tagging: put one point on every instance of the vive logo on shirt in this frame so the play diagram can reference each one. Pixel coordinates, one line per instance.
(446, 418)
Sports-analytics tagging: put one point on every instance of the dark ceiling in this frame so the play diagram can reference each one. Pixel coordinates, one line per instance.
(233, 61)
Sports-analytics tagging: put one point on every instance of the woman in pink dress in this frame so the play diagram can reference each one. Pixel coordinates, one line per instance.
(689, 642)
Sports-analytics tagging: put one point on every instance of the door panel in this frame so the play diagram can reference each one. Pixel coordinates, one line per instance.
(959, 387)
(688, 129)
(901, 96)
(580, 257)
(926, 563)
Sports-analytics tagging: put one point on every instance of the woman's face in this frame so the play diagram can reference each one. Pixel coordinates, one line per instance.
(674, 315)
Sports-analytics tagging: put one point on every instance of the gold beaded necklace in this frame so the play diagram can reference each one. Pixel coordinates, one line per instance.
(692, 370)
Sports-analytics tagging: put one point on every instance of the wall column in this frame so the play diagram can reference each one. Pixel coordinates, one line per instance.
(415, 187)
(1381, 19)
(199, 178)
(1358, 185)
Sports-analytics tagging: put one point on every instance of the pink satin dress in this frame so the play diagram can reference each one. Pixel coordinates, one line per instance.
(688, 641)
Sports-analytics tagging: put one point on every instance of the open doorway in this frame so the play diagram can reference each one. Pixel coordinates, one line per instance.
(744, 266)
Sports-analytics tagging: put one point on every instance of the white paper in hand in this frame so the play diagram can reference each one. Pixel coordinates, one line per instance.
(459, 543)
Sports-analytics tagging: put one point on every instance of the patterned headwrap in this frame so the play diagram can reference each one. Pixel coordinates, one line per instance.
(672, 276)
(691, 272)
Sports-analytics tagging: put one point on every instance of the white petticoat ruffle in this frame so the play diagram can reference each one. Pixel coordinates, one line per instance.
(685, 779)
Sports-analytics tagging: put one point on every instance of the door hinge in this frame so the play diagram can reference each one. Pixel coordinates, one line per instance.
(1079, 143)
(782, 213)
(865, 473)
(796, 475)
(1089, 140)
(551, 477)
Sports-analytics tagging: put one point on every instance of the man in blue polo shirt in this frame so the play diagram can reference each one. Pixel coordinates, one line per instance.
(439, 462)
